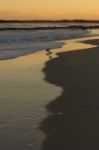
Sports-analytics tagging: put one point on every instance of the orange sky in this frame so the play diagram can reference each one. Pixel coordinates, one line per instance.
(49, 9)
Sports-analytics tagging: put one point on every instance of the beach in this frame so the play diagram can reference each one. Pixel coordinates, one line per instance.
(49, 99)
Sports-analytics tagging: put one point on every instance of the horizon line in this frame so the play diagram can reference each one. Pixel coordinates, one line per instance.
(49, 20)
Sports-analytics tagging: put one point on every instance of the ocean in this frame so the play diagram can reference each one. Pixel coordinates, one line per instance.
(14, 43)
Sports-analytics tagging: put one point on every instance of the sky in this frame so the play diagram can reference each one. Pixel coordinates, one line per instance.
(49, 9)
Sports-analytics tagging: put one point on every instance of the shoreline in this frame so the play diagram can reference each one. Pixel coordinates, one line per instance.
(52, 45)
(57, 44)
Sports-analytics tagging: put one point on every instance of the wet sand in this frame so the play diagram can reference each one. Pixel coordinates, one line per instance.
(23, 96)
(49, 99)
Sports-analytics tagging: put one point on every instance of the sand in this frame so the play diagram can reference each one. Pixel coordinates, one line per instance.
(49, 99)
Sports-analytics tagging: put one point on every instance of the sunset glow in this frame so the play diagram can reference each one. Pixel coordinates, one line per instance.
(49, 9)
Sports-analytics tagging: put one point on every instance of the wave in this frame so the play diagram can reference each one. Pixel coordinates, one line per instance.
(16, 43)
(10, 37)
(82, 27)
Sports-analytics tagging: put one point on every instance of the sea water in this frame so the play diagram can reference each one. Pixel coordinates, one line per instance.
(14, 43)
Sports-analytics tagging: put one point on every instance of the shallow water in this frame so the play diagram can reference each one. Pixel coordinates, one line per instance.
(23, 96)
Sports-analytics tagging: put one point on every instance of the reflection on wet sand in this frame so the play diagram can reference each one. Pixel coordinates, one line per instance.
(23, 95)
(73, 120)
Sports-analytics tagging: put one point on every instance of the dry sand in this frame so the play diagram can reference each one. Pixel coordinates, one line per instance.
(50, 100)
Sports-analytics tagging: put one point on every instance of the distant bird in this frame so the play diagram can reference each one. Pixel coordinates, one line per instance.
(49, 53)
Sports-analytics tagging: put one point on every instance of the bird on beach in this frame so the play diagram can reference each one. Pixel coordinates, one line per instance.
(49, 53)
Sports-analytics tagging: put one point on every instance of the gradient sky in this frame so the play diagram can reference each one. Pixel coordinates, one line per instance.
(49, 9)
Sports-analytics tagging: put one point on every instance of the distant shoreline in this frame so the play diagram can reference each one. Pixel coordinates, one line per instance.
(59, 21)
